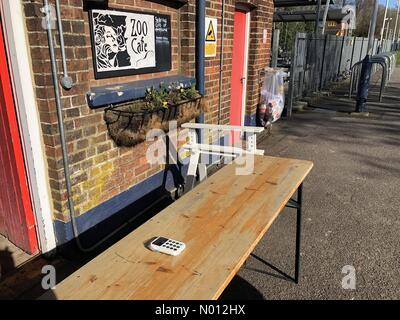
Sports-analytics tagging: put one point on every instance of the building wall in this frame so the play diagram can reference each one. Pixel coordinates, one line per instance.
(101, 171)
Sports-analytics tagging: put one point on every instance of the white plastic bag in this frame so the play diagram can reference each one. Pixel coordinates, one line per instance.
(272, 93)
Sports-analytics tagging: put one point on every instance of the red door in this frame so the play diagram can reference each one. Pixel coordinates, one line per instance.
(238, 72)
(17, 221)
(238, 68)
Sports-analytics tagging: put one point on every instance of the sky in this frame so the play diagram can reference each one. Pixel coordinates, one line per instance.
(392, 3)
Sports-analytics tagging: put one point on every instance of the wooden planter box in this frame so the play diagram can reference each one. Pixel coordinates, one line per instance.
(128, 123)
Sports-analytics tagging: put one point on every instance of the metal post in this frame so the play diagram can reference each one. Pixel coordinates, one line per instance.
(341, 56)
(397, 19)
(275, 48)
(298, 232)
(352, 52)
(361, 49)
(365, 76)
(388, 28)
(398, 32)
(372, 27)
(286, 34)
(317, 16)
(384, 19)
(363, 86)
(325, 16)
(323, 63)
(293, 72)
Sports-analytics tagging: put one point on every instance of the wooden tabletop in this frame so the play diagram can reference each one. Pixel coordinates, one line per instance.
(220, 221)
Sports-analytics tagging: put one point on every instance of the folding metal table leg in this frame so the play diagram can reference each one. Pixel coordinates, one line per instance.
(298, 232)
(295, 204)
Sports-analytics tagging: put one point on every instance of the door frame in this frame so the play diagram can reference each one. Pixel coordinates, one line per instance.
(243, 7)
(13, 21)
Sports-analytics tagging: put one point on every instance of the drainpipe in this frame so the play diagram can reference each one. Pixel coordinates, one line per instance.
(66, 80)
(200, 38)
(221, 60)
(47, 11)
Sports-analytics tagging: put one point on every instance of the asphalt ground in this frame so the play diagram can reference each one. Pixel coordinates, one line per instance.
(351, 209)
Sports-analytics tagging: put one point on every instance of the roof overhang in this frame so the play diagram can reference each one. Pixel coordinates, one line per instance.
(301, 16)
(294, 3)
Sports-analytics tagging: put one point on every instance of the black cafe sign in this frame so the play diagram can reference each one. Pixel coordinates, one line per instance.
(128, 43)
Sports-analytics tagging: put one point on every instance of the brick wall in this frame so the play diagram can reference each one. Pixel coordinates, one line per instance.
(259, 52)
(100, 169)
(259, 56)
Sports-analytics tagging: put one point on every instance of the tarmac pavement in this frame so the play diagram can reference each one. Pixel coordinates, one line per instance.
(351, 204)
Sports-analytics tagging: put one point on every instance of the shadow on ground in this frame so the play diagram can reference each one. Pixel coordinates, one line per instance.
(351, 201)
(240, 289)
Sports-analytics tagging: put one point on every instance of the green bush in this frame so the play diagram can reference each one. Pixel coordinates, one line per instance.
(398, 57)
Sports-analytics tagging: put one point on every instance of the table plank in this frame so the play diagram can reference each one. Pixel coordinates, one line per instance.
(221, 221)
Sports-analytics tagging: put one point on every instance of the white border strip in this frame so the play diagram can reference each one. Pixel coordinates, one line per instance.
(24, 95)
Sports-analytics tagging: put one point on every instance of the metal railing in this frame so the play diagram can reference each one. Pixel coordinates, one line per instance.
(319, 60)
(387, 61)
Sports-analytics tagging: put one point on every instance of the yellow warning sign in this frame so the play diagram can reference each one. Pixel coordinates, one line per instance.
(210, 32)
(211, 37)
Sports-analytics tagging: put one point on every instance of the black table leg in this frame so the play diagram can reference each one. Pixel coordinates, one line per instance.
(295, 204)
(298, 232)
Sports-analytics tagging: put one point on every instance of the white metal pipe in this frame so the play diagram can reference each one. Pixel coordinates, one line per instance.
(397, 19)
(372, 27)
(384, 20)
(66, 81)
(387, 30)
(325, 16)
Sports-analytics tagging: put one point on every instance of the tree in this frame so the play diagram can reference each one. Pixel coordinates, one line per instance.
(363, 17)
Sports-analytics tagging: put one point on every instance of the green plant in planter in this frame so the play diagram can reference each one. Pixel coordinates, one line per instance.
(191, 92)
(156, 98)
(175, 93)
(128, 125)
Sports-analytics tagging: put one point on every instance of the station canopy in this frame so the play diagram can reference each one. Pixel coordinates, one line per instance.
(295, 3)
(309, 15)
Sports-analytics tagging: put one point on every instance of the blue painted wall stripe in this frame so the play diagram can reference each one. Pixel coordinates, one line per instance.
(114, 205)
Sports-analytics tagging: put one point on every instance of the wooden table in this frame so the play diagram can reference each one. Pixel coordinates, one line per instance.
(221, 221)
